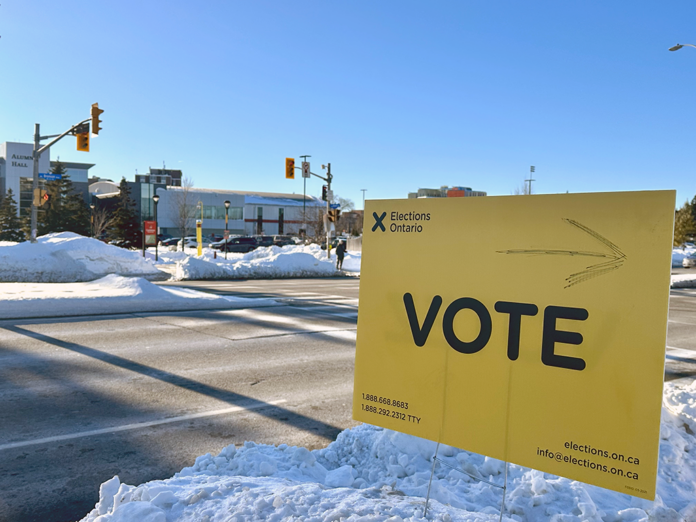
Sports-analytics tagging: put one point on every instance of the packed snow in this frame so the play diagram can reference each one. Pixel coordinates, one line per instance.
(66, 257)
(112, 294)
(373, 474)
(263, 263)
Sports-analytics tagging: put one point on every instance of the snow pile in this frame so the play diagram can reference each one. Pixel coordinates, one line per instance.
(266, 263)
(376, 475)
(678, 255)
(111, 294)
(67, 257)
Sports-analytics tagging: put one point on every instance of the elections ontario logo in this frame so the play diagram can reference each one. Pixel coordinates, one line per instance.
(403, 222)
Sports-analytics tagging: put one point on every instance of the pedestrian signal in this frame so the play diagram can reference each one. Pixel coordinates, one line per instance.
(289, 168)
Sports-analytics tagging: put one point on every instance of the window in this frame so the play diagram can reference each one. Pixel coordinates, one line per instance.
(218, 212)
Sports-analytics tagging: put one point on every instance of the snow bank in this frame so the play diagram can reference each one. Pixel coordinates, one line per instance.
(678, 255)
(67, 257)
(112, 294)
(266, 263)
(372, 474)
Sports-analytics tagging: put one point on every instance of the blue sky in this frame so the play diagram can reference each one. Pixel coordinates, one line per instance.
(396, 95)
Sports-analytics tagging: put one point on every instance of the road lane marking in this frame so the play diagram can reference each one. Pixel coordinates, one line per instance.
(136, 426)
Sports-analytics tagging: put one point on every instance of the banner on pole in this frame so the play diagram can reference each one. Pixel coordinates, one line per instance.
(150, 232)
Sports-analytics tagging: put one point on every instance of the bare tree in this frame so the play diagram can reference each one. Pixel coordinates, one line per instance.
(183, 208)
(102, 220)
(346, 218)
(314, 219)
(524, 190)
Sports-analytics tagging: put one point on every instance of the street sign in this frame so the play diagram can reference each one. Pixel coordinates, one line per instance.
(305, 169)
(226, 234)
(334, 205)
(536, 337)
(329, 195)
(50, 176)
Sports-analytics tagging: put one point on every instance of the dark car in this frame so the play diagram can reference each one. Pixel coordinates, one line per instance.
(170, 242)
(237, 244)
(264, 241)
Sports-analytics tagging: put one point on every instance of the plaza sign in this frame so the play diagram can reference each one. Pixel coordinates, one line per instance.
(527, 328)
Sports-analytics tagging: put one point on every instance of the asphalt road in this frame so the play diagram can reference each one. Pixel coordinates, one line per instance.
(142, 395)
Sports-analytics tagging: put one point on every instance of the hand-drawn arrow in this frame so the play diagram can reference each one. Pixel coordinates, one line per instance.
(615, 258)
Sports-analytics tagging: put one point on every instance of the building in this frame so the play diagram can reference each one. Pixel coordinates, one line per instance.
(445, 192)
(250, 213)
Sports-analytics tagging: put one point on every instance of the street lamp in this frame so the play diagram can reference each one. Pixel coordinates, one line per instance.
(227, 234)
(155, 198)
(91, 223)
(679, 46)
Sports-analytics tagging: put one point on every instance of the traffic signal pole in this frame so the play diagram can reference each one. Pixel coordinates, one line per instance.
(290, 167)
(38, 150)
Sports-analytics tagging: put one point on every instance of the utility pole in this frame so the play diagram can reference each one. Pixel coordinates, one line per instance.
(529, 181)
(304, 197)
(329, 197)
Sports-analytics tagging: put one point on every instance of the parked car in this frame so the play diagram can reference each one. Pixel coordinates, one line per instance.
(282, 241)
(237, 244)
(689, 261)
(170, 242)
(264, 241)
(192, 242)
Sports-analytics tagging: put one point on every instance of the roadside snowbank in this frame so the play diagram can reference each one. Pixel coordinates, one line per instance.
(66, 257)
(376, 475)
(112, 294)
(264, 263)
(678, 255)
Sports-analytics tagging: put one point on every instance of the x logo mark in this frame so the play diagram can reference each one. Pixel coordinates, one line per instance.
(378, 221)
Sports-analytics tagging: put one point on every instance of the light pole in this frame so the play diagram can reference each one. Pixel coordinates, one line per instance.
(91, 226)
(227, 234)
(155, 198)
(679, 46)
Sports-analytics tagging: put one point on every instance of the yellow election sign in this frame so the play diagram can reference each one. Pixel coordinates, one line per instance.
(527, 328)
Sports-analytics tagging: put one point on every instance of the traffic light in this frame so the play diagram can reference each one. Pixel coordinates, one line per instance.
(289, 168)
(324, 191)
(83, 141)
(334, 214)
(95, 113)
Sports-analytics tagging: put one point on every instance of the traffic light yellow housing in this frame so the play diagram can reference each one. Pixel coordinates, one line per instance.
(95, 113)
(290, 168)
(83, 141)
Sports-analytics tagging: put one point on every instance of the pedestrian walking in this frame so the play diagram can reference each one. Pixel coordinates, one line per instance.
(340, 252)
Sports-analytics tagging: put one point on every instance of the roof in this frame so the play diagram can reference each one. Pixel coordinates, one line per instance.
(275, 195)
